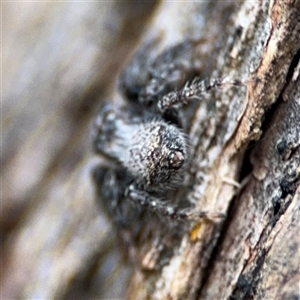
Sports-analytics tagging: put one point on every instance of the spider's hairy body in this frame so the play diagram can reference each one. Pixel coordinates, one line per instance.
(154, 153)
(157, 155)
(146, 138)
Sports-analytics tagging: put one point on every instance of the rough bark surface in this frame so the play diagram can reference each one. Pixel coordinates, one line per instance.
(57, 69)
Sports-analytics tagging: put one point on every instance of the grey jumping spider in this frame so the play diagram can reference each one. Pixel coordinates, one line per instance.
(146, 142)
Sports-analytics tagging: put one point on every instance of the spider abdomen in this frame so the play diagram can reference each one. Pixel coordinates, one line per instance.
(157, 155)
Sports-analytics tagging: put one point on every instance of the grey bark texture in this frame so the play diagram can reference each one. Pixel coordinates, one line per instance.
(60, 61)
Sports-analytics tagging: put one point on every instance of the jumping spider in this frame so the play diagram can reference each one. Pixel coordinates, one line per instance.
(145, 140)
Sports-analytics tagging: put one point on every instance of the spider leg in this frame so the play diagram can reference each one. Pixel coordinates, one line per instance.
(169, 70)
(162, 207)
(194, 90)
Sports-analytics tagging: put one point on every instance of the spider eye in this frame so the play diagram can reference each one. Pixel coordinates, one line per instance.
(176, 159)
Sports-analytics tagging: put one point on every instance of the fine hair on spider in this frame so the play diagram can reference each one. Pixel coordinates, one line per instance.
(153, 151)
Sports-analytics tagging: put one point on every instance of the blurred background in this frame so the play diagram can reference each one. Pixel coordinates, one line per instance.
(59, 61)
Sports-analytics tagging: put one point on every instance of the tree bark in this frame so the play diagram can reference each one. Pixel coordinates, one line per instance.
(245, 153)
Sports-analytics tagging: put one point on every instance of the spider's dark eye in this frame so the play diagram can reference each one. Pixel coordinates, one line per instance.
(176, 159)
